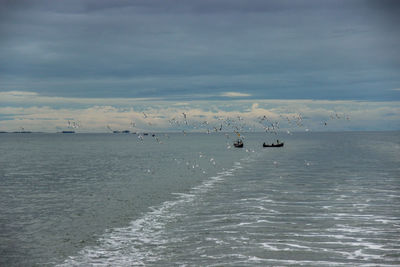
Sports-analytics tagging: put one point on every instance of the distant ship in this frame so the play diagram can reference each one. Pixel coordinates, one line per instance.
(124, 131)
(68, 132)
(22, 131)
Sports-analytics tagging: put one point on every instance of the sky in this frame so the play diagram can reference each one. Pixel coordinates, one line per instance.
(106, 62)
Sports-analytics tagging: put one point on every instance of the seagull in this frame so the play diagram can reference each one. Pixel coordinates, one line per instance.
(184, 116)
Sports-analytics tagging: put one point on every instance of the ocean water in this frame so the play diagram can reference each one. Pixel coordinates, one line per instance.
(324, 199)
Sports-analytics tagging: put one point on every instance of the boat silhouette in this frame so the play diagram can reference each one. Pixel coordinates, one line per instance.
(238, 143)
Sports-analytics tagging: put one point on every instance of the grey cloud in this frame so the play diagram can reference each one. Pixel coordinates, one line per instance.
(298, 48)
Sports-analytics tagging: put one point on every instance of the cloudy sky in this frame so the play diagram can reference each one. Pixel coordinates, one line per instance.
(106, 62)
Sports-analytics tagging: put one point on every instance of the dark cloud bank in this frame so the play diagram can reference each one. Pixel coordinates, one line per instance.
(171, 49)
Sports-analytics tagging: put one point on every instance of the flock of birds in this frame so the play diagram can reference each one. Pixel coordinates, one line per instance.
(228, 125)
(236, 125)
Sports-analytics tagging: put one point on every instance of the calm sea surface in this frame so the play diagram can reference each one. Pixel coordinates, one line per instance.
(324, 199)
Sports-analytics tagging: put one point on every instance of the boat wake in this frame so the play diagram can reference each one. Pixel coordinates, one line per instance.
(144, 240)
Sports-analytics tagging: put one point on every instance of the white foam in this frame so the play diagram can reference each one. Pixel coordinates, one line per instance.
(269, 247)
(254, 258)
(297, 246)
(353, 229)
(245, 223)
(143, 238)
(216, 240)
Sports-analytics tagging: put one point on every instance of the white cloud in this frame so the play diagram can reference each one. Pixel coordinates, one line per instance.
(40, 113)
(21, 97)
(234, 94)
(18, 93)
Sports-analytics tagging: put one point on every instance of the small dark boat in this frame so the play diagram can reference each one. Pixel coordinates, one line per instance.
(68, 132)
(238, 143)
(273, 145)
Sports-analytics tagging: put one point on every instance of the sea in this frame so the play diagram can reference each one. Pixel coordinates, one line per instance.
(324, 199)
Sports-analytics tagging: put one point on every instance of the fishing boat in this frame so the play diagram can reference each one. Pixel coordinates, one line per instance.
(238, 143)
(273, 145)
